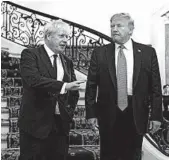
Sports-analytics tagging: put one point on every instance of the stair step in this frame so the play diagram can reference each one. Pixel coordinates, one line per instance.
(82, 93)
(4, 126)
(4, 141)
(3, 101)
(10, 73)
(80, 111)
(5, 113)
(12, 91)
(77, 137)
(10, 153)
(88, 152)
(4, 48)
(11, 82)
(81, 101)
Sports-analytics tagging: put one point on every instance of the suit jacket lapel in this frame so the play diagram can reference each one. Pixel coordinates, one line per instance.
(66, 76)
(110, 54)
(137, 63)
(47, 63)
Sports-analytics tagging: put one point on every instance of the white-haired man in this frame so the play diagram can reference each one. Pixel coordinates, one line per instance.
(127, 76)
(50, 95)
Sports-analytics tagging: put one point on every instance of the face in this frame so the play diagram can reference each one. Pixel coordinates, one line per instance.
(57, 41)
(121, 30)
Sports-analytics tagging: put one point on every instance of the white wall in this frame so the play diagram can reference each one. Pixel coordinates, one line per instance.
(157, 38)
(158, 41)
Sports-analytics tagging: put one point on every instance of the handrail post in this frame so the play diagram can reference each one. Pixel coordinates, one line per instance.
(6, 19)
(73, 30)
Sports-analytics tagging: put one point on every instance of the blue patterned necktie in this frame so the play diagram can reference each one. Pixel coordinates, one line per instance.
(122, 99)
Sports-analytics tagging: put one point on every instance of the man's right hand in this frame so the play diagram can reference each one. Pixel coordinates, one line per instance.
(72, 86)
(93, 124)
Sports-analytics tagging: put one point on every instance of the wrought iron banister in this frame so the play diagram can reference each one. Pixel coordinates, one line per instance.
(160, 138)
(24, 26)
(55, 17)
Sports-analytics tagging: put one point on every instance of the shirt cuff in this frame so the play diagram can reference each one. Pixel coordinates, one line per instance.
(63, 89)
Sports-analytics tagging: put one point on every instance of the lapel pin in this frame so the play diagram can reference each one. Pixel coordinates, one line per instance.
(139, 50)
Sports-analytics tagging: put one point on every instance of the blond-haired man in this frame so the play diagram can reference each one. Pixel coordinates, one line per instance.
(50, 94)
(127, 76)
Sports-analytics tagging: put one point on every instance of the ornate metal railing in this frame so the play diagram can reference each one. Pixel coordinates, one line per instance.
(25, 27)
(160, 139)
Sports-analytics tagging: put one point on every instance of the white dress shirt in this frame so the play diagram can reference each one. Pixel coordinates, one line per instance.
(128, 52)
(60, 71)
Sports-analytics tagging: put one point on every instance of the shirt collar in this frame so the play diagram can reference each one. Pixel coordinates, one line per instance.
(127, 45)
(49, 51)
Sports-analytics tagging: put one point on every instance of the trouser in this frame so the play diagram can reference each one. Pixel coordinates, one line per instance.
(123, 143)
(53, 147)
(165, 102)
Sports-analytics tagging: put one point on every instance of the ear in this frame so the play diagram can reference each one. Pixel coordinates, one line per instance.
(48, 37)
(131, 28)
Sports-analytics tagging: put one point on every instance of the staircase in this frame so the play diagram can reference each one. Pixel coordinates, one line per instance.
(82, 139)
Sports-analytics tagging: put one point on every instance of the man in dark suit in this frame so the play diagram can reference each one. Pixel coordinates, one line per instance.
(127, 76)
(50, 95)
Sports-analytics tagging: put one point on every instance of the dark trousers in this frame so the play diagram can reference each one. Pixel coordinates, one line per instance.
(165, 102)
(53, 147)
(124, 141)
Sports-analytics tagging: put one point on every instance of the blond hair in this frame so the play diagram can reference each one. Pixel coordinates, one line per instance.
(123, 15)
(56, 26)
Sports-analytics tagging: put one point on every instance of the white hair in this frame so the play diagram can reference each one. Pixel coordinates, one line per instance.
(55, 26)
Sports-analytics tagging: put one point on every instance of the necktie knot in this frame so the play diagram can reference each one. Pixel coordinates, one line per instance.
(122, 47)
(55, 55)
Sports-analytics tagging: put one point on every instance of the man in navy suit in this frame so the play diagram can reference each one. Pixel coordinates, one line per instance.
(126, 76)
(50, 95)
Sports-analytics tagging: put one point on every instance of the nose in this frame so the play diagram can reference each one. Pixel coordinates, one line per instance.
(114, 28)
(65, 39)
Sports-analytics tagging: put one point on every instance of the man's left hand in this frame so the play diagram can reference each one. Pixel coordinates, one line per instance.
(154, 126)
